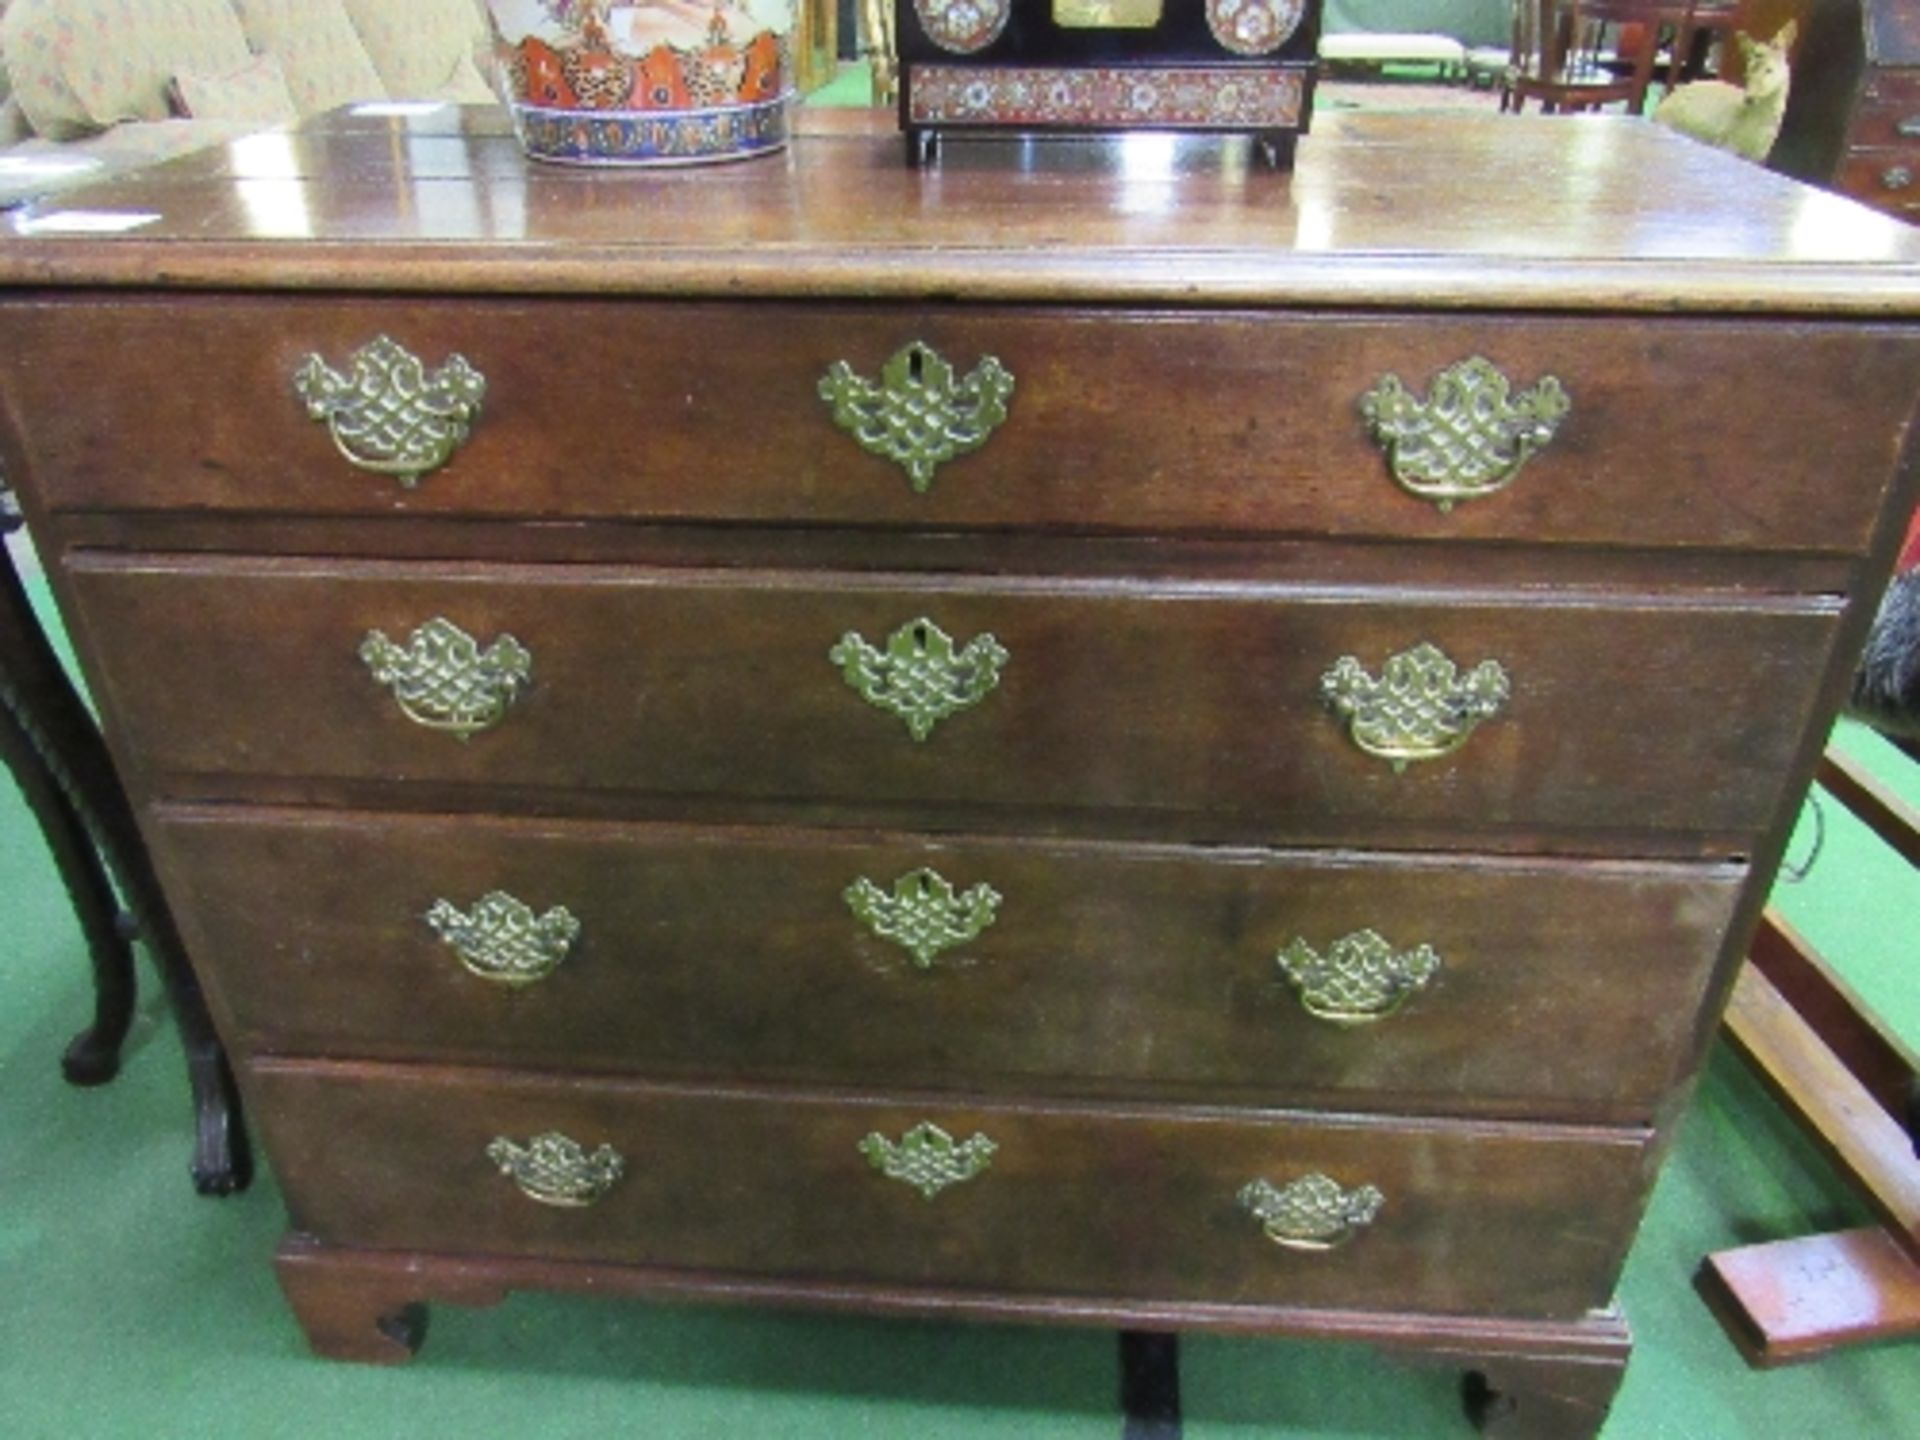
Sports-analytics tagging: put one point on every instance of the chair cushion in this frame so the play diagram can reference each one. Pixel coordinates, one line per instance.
(119, 56)
(257, 91)
(318, 49)
(34, 38)
(417, 46)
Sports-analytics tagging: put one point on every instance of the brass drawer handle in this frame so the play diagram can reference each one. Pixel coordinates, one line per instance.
(1420, 708)
(442, 679)
(1471, 435)
(502, 940)
(1360, 979)
(389, 413)
(928, 1158)
(1311, 1213)
(920, 676)
(557, 1170)
(1907, 127)
(924, 914)
(1896, 177)
(917, 414)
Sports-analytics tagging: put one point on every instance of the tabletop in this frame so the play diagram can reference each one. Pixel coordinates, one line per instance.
(1452, 210)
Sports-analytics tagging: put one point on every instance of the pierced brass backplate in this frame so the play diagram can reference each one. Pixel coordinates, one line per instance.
(928, 1158)
(442, 679)
(920, 677)
(389, 413)
(924, 914)
(917, 414)
(557, 1170)
(502, 940)
(1420, 708)
(1471, 435)
(1360, 979)
(1311, 1213)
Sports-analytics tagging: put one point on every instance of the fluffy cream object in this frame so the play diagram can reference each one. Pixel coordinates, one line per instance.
(1745, 121)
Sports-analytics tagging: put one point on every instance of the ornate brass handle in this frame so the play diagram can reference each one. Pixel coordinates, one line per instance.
(442, 679)
(924, 914)
(1469, 437)
(1311, 1213)
(1360, 979)
(920, 677)
(389, 413)
(1896, 177)
(557, 1170)
(502, 940)
(917, 414)
(1420, 708)
(1907, 127)
(928, 1158)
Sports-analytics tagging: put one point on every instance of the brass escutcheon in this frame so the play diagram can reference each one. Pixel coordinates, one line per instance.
(1471, 435)
(442, 679)
(1420, 708)
(917, 414)
(927, 1157)
(388, 413)
(923, 914)
(920, 677)
(501, 939)
(557, 1170)
(1360, 979)
(1312, 1212)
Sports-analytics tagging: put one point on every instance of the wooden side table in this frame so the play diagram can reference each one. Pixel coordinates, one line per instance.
(49, 742)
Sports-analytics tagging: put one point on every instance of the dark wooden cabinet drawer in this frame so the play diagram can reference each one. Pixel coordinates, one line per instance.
(1073, 1201)
(1145, 422)
(1561, 988)
(1888, 178)
(1204, 701)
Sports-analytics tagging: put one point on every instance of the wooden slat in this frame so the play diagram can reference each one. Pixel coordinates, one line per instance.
(1877, 1057)
(1863, 1141)
(1883, 812)
(1795, 1299)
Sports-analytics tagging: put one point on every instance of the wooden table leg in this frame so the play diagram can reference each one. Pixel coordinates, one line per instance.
(49, 742)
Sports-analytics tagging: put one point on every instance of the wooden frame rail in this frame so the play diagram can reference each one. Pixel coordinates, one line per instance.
(1851, 1084)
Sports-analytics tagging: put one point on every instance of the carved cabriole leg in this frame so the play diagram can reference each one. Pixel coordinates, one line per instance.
(362, 1305)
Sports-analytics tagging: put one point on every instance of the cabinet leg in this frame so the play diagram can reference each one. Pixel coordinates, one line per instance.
(369, 1306)
(1542, 1397)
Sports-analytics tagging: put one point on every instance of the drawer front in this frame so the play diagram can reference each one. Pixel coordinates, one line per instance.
(1545, 988)
(1070, 1201)
(1122, 422)
(1205, 702)
(1886, 178)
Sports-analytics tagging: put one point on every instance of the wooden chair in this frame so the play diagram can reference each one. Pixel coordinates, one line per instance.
(1851, 1084)
(1574, 55)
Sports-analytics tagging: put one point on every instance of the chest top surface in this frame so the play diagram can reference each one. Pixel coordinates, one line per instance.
(1462, 211)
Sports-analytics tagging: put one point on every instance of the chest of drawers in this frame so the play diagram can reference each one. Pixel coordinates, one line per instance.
(1853, 114)
(1099, 737)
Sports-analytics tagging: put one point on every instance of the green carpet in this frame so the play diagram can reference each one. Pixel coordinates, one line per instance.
(131, 1307)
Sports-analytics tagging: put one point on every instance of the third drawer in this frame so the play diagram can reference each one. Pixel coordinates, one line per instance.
(1500, 986)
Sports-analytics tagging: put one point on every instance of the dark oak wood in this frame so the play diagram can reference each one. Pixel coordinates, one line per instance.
(1082, 1200)
(1130, 697)
(1180, 528)
(732, 952)
(1853, 112)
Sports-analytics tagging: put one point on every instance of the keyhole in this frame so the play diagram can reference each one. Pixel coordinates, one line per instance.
(914, 363)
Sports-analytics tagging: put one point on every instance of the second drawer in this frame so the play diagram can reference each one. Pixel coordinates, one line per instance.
(1209, 704)
(1541, 987)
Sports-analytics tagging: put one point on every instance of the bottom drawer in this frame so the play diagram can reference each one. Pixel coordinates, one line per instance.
(1093, 1201)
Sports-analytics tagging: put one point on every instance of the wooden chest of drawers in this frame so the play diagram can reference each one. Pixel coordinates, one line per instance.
(1853, 113)
(1096, 737)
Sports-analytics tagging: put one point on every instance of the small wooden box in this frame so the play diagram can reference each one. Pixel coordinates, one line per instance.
(1241, 67)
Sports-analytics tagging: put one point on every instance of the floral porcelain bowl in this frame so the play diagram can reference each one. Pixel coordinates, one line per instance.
(665, 82)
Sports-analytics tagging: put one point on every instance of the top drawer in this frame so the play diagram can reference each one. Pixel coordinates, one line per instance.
(1678, 433)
